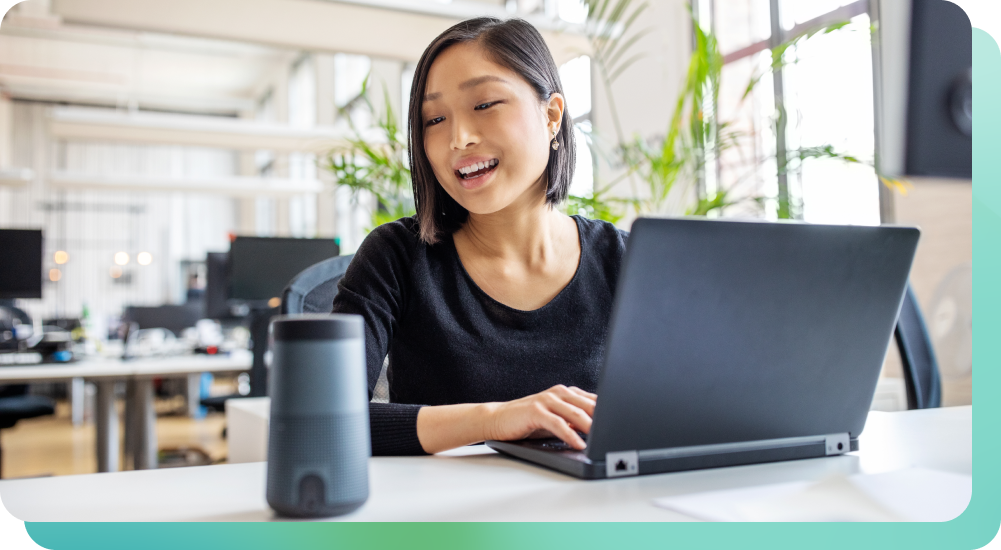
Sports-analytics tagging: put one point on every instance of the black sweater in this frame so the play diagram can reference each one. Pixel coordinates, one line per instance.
(449, 342)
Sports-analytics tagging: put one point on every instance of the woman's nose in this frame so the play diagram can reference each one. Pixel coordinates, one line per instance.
(463, 134)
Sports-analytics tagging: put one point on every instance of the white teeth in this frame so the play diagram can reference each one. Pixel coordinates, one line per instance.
(466, 170)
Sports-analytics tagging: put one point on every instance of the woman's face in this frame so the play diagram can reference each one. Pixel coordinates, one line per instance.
(486, 132)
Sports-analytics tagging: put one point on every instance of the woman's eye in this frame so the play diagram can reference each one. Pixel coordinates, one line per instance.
(434, 121)
(482, 106)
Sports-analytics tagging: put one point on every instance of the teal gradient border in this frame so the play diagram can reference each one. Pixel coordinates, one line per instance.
(973, 529)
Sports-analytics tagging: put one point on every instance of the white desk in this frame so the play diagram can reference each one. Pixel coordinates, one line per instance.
(140, 416)
(474, 483)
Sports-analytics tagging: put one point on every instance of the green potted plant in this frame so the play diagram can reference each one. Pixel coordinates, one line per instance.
(379, 167)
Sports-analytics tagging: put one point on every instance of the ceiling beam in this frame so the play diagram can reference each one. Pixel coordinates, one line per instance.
(236, 186)
(16, 177)
(171, 129)
(59, 91)
(310, 25)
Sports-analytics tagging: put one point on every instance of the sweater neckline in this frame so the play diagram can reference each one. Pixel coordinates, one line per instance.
(573, 280)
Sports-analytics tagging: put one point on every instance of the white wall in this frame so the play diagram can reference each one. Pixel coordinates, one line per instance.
(645, 93)
(943, 209)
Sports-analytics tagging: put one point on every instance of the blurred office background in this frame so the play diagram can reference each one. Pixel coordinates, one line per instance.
(140, 135)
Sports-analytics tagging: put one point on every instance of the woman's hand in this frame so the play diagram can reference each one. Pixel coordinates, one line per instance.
(559, 411)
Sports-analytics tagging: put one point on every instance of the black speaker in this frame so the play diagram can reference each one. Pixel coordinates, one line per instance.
(940, 98)
(318, 445)
(923, 77)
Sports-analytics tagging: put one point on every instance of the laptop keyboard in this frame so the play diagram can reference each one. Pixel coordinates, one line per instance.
(557, 445)
(553, 444)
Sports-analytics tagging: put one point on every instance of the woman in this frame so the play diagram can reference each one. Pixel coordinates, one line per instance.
(491, 304)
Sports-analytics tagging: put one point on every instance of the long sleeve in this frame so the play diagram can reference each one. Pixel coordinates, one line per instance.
(375, 287)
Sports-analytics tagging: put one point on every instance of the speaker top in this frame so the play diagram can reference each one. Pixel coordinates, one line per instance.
(318, 326)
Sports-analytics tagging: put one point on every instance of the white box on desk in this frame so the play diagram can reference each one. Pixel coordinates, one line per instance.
(247, 429)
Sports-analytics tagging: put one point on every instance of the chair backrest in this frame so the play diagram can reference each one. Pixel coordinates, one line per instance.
(313, 290)
(921, 377)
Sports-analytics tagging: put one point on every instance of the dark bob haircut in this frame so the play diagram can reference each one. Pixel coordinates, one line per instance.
(513, 44)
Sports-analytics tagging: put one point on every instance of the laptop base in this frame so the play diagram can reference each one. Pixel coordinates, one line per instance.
(577, 464)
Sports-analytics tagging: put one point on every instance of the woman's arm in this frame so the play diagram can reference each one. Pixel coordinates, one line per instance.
(374, 287)
(559, 411)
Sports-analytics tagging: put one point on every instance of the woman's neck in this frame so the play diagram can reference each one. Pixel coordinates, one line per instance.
(529, 232)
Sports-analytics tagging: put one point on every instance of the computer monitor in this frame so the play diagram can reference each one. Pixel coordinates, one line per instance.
(261, 267)
(21, 258)
(174, 318)
(217, 285)
(922, 69)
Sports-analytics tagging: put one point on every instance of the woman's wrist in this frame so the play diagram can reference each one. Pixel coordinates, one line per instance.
(444, 427)
(487, 415)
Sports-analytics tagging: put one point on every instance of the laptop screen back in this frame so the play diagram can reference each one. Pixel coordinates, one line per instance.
(726, 331)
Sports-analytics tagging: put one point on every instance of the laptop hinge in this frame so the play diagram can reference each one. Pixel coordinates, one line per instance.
(622, 463)
(830, 443)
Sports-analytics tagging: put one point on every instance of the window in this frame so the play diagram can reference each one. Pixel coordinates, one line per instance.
(822, 95)
(572, 11)
(406, 83)
(350, 72)
(302, 94)
(302, 166)
(575, 75)
(829, 100)
(265, 221)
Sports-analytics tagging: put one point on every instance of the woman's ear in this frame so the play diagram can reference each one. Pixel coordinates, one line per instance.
(554, 110)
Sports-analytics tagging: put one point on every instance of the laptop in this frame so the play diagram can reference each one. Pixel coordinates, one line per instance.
(738, 342)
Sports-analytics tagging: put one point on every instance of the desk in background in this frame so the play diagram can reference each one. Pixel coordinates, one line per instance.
(476, 484)
(140, 416)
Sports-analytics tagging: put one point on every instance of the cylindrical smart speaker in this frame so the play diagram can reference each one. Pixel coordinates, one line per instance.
(319, 445)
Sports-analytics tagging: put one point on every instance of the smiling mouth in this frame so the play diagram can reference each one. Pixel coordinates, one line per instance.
(476, 170)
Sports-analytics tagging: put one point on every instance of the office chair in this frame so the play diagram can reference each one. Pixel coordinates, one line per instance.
(921, 376)
(313, 290)
(16, 404)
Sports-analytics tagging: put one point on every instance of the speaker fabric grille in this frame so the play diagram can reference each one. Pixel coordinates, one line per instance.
(334, 448)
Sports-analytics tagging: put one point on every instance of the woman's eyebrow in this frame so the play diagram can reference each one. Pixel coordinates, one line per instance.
(472, 82)
(480, 80)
